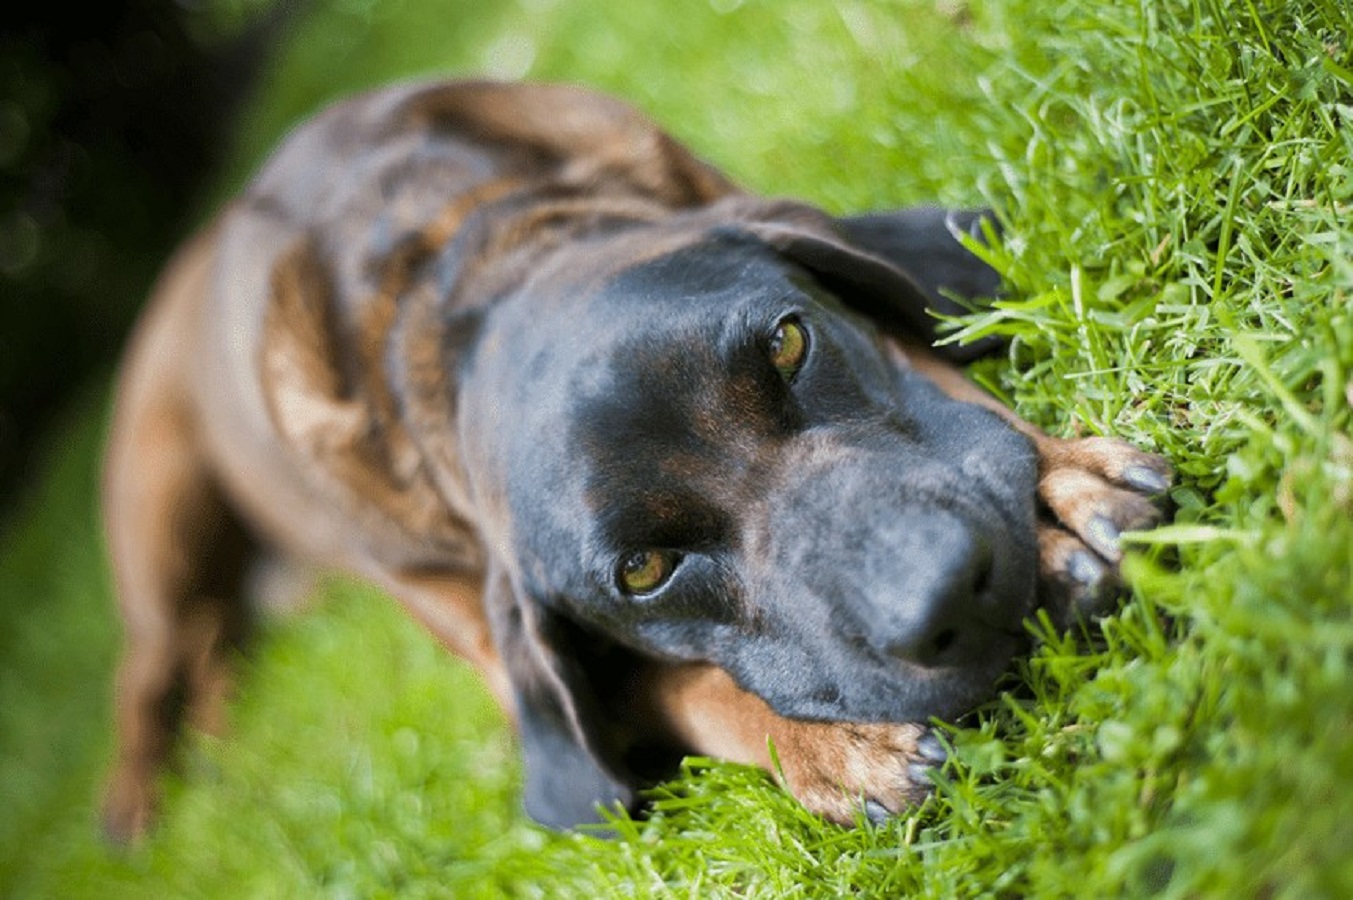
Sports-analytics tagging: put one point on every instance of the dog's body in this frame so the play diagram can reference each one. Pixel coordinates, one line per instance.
(670, 464)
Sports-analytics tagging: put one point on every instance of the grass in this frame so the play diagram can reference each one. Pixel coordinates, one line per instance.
(1175, 179)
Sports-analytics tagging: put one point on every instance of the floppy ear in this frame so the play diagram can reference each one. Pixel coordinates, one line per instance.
(569, 747)
(895, 267)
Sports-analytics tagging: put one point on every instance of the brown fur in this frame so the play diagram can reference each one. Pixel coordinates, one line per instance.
(256, 411)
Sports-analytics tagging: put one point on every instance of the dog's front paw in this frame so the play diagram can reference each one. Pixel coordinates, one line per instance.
(839, 770)
(129, 807)
(1090, 491)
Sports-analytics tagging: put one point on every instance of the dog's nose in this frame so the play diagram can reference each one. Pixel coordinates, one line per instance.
(930, 617)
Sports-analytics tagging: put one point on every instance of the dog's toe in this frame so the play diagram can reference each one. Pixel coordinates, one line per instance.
(1094, 510)
(1113, 460)
(928, 757)
(1077, 583)
(127, 813)
(847, 769)
(1091, 491)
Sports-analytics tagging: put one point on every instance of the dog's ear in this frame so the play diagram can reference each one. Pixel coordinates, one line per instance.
(569, 746)
(895, 267)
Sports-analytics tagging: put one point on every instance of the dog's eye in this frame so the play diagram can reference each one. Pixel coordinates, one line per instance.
(788, 347)
(646, 571)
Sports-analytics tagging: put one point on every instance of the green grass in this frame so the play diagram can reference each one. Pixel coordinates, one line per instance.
(1176, 181)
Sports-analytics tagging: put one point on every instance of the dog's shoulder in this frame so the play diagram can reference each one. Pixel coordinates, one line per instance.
(341, 263)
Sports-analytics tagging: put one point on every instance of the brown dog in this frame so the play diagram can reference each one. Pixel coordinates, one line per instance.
(670, 464)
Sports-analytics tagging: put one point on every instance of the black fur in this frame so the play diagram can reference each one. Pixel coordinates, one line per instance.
(853, 545)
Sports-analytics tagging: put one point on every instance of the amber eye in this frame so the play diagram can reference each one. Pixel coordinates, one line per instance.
(788, 347)
(646, 571)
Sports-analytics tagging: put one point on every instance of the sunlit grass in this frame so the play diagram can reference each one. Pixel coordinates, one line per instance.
(1174, 181)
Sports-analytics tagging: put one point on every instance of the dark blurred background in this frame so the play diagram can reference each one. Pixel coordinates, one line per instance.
(113, 119)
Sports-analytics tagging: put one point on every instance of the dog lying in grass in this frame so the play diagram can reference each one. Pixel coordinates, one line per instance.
(677, 468)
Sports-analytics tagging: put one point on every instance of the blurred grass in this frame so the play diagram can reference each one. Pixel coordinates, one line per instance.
(1175, 179)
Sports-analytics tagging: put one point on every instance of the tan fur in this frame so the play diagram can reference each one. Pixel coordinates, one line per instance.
(256, 406)
(831, 767)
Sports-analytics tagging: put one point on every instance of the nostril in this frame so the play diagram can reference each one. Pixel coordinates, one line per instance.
(929, 614)
(936, 649)
(983, 566)
(943, 641)
(981, 581)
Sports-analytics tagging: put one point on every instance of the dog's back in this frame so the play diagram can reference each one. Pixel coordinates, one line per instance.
(253, 411)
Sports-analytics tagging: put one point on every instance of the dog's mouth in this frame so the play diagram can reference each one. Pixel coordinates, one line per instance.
(928, 632)
(949, 649)
(854, 682)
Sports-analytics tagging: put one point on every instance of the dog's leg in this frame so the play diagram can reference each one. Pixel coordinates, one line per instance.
(177, 555)
(837, 770)
(1090, 490)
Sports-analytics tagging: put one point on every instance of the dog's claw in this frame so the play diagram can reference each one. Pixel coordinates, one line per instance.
(1103, 536)
(929, 747)
(1092, 491)
(919, 773)
(930, 755)
(1085, 568)
(1146, 479)
(876, 812)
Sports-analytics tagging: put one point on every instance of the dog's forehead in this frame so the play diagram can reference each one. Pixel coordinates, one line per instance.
(620, 324)
(714, 263)
(634, 384)
(668, 330)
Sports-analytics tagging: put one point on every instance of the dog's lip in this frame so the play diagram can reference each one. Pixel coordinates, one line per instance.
(846, 682)
(999, 646)
(857, 639)
(1000, 642)
(899, 694)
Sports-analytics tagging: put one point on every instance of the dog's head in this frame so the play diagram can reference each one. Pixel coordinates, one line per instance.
(694, 442)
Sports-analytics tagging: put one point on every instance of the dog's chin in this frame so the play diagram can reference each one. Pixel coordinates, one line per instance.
(861, 688)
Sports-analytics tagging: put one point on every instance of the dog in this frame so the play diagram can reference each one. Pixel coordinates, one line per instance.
(679, 469)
